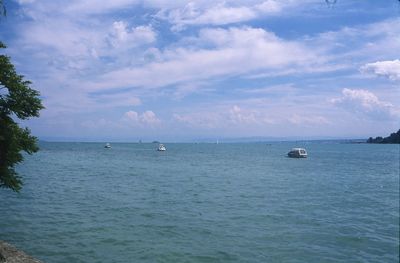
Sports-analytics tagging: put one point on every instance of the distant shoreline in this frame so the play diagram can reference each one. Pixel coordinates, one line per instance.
(206, 141)
(393, 138)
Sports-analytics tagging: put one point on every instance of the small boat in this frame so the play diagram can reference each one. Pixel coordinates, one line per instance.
(107, 145)
(161, 148)
(298, 153)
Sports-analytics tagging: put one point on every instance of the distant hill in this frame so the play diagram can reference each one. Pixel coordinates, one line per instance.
(392, 138)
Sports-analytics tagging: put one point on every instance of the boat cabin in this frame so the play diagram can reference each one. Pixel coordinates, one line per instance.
(298, 153)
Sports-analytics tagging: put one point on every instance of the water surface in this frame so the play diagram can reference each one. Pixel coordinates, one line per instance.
(244, 202)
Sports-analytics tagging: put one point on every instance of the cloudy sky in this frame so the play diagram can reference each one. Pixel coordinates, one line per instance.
(181, 70)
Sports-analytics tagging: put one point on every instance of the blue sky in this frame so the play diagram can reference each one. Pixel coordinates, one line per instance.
(126, 70)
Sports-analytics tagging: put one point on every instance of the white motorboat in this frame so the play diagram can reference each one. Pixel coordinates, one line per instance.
(161, 148)
(298, 153)
(107, 145)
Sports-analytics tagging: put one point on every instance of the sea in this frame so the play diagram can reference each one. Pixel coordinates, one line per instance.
(206, 202)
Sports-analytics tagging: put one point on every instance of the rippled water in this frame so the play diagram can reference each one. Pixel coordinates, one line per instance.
(206, 203)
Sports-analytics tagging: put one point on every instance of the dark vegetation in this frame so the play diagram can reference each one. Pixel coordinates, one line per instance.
(17, 101)
(392, 138)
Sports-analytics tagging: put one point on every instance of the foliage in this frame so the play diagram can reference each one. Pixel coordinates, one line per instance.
(392, 138)
(17, 100)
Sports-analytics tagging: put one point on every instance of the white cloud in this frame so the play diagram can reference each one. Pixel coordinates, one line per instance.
(120, 31)
(121, 35)
(147, 118)
(182, 91)
(131, 116)
(94, 7)
(217, 15)
(22, 2)
(221, 13)
(271, 6)
(142, 121)
(72, 42)
(366, 42)
(389, 69)
(366, 103)
(286, 89)
(233, 51)
(239, 116)
(92, 59)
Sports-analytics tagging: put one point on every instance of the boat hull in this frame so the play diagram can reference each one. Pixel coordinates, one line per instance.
(295, 155)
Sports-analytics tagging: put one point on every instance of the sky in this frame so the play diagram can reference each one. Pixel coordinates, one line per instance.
(129, 70)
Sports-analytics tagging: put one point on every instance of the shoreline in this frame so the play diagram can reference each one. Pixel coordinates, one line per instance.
(11, 254)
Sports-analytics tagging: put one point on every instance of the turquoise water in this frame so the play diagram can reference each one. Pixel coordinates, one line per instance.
(242, 202)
